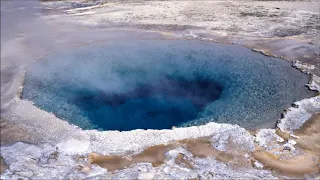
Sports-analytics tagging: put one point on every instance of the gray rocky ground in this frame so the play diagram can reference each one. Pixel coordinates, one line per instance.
(275, 26)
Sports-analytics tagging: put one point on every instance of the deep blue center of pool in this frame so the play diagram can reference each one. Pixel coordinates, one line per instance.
(157, 84)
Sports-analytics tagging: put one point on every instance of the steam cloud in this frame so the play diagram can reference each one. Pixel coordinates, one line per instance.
(114, 85)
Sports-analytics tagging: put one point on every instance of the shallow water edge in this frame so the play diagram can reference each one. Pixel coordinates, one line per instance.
(71, 140)
(253, 85)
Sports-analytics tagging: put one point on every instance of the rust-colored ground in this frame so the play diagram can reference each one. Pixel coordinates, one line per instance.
(199, 147)
(306, 163)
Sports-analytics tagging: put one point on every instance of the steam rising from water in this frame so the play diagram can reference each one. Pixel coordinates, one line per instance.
(158, 84)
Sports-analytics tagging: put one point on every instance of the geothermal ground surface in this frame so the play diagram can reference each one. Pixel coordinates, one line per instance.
(157, 84)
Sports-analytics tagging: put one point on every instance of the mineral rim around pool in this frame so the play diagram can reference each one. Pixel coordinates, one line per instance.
(157, 84)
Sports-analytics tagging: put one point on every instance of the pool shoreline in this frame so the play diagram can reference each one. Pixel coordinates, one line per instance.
(81, 138)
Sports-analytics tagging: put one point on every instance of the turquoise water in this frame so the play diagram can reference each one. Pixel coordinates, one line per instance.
(157, 84)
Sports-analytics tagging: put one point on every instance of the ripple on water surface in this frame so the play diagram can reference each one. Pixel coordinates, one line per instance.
(157, 84)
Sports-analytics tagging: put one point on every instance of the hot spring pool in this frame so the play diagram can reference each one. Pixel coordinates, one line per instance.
(157, 84)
